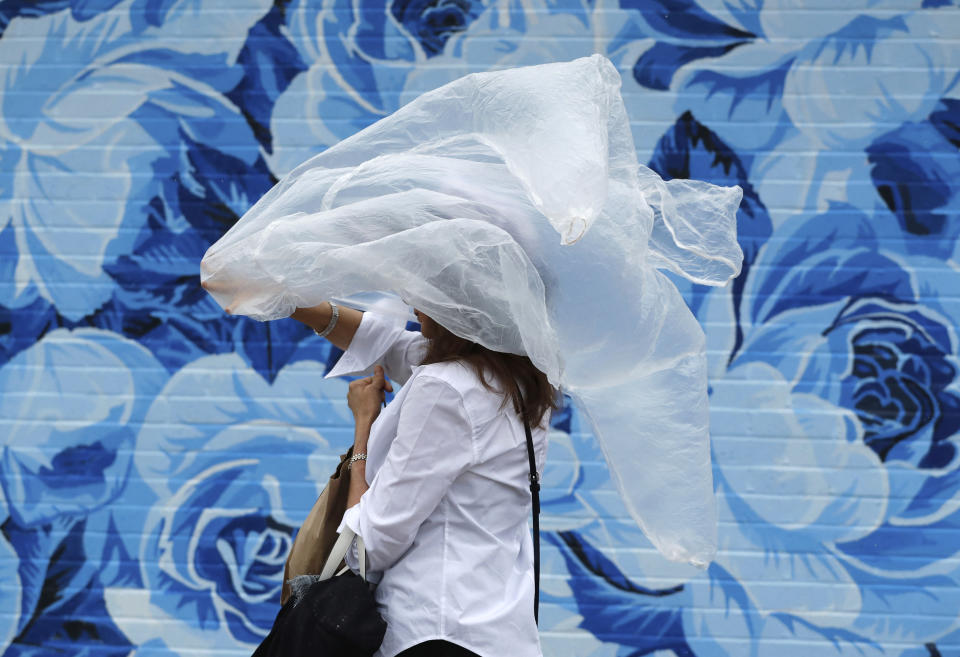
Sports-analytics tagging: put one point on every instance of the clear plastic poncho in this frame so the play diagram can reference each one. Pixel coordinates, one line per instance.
(510, 207)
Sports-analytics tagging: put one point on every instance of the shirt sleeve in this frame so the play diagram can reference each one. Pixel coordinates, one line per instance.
(433, 446)
(380, 341)
(352, 559)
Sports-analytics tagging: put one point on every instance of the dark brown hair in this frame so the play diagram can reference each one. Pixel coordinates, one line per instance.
(514, 373)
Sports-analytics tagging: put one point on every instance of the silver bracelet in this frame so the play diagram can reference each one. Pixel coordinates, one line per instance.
(362, 456)
(334, 316)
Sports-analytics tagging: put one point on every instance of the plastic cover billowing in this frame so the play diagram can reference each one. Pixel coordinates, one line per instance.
(510, 207)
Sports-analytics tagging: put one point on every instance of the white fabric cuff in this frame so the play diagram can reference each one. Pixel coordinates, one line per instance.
(351, 520)
(374, 336)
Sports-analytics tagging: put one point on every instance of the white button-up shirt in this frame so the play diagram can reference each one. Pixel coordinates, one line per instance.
(445, 518)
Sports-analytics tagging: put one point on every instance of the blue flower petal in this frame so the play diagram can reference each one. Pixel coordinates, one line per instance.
(915, 170)
(935, 492)
(925, 596)
(358, 71)
(822, 259)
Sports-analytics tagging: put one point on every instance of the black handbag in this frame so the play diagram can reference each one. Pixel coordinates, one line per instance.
(328, 614)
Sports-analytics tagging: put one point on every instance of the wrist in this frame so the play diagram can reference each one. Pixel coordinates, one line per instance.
(364, 421)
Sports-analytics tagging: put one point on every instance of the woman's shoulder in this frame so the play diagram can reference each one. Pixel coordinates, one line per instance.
(464, 379)
(457, 374)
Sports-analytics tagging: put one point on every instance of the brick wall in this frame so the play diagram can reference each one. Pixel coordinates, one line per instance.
(158, 455)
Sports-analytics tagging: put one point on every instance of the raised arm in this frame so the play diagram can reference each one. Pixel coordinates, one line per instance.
(318, 317)
(370, 339)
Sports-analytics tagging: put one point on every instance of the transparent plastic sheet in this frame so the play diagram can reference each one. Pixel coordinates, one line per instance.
(509, 206)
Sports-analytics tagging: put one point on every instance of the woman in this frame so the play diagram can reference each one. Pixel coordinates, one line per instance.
(511, 204)
(439, 487)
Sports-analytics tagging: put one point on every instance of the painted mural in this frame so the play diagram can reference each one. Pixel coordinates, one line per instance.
(157, 455)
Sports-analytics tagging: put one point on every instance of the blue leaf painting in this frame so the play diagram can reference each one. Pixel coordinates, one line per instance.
(684, 19)
(656, 67)
(617, 610)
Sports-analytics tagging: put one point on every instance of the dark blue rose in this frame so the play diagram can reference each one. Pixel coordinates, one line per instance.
(847, 378)
(231, 480)
(218, 546)
(432, 22)
(901, 382)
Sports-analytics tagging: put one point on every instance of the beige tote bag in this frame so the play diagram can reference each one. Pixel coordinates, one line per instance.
(318, 534)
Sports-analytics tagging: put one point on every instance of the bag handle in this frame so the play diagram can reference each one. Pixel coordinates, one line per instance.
(535, 493)
(339, 551)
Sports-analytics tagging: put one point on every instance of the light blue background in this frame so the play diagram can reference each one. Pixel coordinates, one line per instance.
(157, 455)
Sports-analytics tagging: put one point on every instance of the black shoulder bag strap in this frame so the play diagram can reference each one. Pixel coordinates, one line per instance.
(535, 492)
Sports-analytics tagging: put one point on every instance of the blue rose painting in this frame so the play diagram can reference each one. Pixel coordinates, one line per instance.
(158, 456)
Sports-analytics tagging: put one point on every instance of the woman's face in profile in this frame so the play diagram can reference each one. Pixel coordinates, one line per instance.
(427, 325)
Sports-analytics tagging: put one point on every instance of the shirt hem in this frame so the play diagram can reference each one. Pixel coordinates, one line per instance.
(430, 637)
